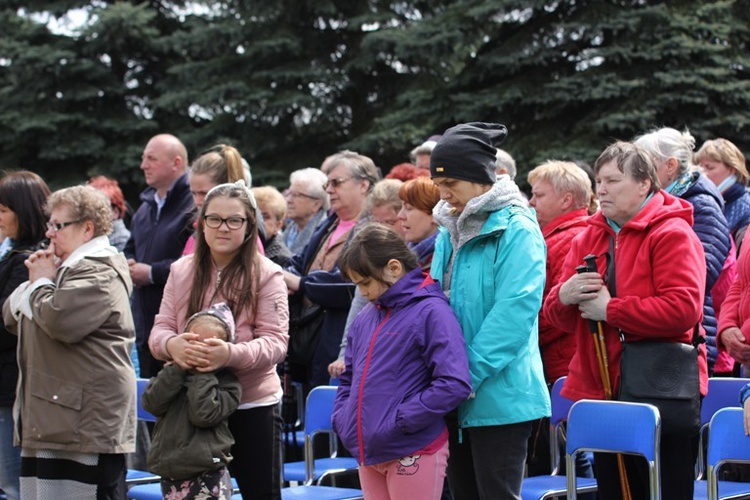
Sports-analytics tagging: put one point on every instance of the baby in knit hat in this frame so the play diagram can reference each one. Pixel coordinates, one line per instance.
(191, 443)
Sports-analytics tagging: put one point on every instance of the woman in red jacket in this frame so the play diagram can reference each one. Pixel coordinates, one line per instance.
(660, 282)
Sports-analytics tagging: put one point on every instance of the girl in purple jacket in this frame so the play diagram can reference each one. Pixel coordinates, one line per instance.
(406, 367)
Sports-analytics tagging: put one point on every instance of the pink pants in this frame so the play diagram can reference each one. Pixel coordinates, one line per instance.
(417, 477)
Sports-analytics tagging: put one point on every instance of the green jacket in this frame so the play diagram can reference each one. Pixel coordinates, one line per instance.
(191, 435)
(496, 292)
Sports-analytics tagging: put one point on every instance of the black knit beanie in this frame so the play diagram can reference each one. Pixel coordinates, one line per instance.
(467, 152)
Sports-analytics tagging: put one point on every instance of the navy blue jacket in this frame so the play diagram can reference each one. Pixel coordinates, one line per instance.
(330, 290)
(737, 211)
(712, 230)
(158, 242)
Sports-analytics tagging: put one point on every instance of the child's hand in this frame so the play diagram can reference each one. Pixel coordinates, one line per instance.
(746, 413)
(209, 355)
(336, 368)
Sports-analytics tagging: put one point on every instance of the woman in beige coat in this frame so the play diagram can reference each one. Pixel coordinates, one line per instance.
(75, 409)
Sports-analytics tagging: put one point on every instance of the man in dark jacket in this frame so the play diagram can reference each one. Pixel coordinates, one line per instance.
(159, 230)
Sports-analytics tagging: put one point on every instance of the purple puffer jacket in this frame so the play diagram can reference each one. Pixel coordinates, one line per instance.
(406, 367)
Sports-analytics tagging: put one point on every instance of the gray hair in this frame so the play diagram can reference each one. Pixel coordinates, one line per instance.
(423, 149)
(505, 161)
(314, 179)
(666, 143)
(361, 167)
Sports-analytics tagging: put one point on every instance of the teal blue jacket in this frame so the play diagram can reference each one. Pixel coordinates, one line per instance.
(496, 292)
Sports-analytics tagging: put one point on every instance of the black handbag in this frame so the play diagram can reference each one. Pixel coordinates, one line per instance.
(662, 373)
(305, 326)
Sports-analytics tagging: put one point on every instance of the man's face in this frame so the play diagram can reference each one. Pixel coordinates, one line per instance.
(160, 165)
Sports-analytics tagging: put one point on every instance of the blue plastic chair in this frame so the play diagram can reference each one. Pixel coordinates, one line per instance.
(722, 393)
(319, 493)
(318, 412)
(135, 476)
(726, 443)
(554, 485)
(614, 427)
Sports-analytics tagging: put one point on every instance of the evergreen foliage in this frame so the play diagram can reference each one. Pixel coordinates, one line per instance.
(292, 81)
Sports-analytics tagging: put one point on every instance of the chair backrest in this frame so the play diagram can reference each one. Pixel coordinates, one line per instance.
(560, 404)
(727, 441)
(722, 393)
(614, 427)
(319, 408)
(560, 408)
(141, 384)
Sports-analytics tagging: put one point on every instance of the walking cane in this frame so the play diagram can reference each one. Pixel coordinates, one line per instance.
(597, 331)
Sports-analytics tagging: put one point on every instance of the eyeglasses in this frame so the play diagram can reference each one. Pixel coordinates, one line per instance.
(215, 222)
(388, 222)
(295, 195)
(335, 183)
(59, 226)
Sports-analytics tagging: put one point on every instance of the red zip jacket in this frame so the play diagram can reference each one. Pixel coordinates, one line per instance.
(558, 346)
(660, 279)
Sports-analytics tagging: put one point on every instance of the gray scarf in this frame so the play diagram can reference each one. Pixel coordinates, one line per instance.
(468, 224)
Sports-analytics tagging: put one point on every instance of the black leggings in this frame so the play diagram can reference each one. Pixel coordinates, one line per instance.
(257, 452)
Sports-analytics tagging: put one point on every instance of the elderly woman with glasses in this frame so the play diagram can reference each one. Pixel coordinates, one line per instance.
(321, 296)
(76, 398)
(307, 206)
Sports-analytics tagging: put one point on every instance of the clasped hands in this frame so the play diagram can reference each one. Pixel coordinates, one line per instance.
(42, 264)
(586, 290)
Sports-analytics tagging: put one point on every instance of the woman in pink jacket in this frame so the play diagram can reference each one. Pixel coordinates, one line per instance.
(226, 267)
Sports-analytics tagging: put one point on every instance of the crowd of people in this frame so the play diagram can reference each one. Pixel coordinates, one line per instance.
(444, 300)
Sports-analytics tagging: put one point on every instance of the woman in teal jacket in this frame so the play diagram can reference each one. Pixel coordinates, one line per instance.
(490, 259)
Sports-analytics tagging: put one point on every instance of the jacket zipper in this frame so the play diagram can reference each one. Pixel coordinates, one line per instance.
(360, 439)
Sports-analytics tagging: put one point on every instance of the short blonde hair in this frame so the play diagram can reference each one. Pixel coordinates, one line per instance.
(385, 192)
(727, 153)
(564, 177)
(269, 198)
(85, 203)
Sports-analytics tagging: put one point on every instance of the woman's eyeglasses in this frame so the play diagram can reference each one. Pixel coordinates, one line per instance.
(295, 195)
(215, 222)
(335, 183)
(59, 226)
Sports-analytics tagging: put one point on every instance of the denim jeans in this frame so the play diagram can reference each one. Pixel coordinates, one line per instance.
(10, 456)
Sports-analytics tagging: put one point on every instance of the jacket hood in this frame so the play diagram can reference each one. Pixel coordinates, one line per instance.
(660, 207)
(120, 266)
(100, 250)
(402, 292)
(702, 185)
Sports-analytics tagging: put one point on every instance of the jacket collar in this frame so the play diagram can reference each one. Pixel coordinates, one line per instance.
(179, 187)
(414, 285)
(660, 207)
(565, 220)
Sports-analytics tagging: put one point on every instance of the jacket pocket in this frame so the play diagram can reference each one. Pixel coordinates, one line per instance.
(54, 410)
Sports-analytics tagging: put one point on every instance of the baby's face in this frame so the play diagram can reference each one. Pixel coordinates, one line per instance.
(207, 331)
